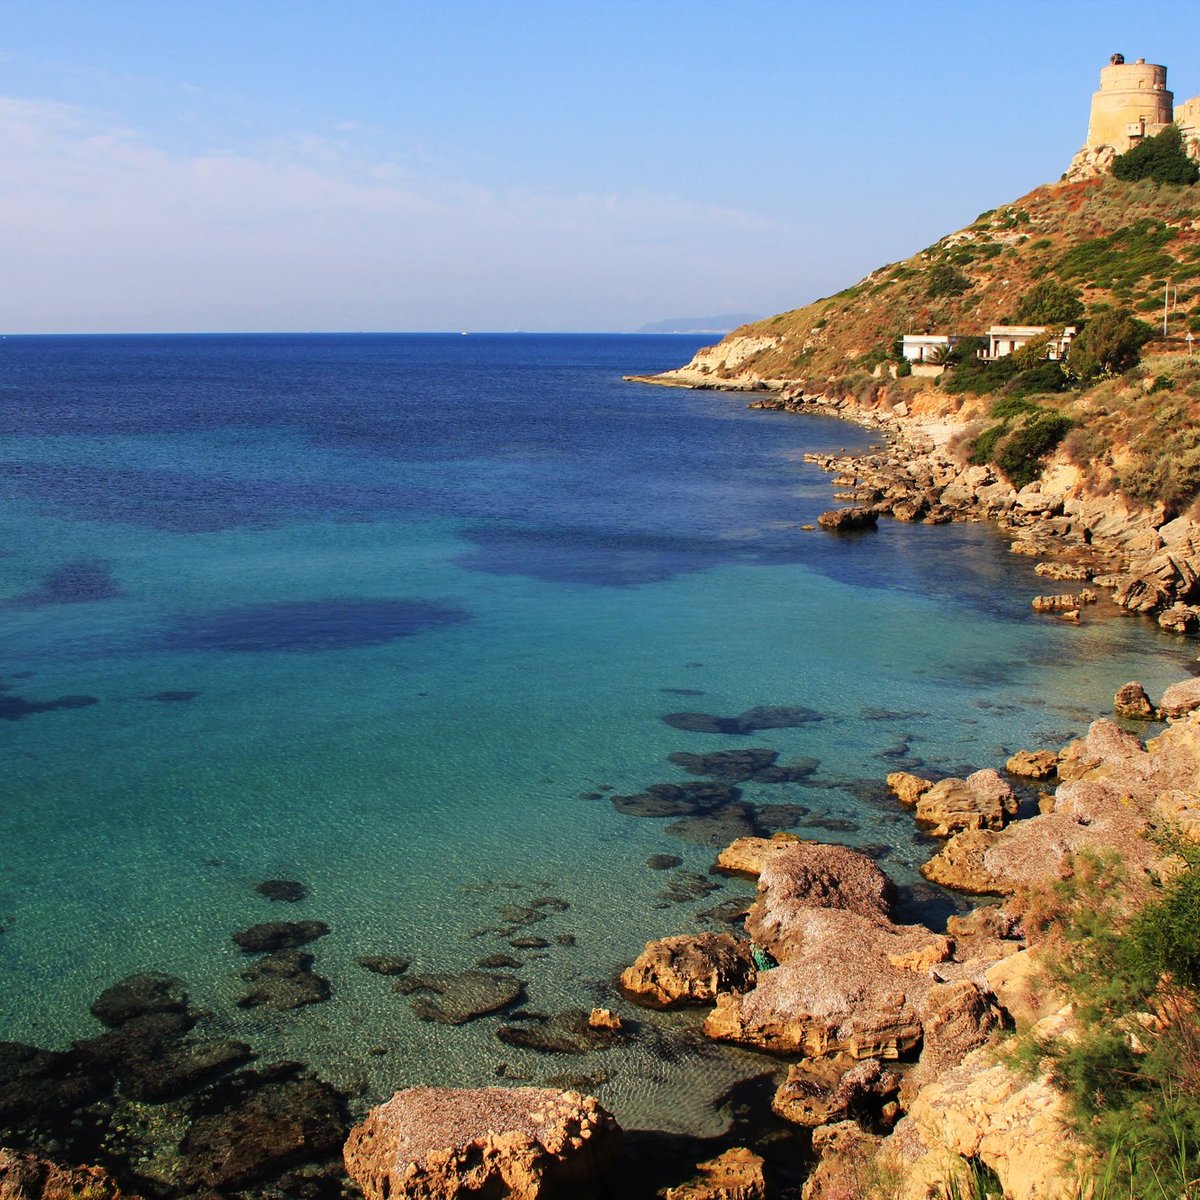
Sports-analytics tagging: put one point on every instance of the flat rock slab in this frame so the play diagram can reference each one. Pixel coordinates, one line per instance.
(455, 999)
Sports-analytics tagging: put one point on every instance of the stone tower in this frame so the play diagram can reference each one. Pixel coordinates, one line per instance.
(1132, 103)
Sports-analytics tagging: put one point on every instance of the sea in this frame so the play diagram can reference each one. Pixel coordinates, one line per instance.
(396, 617)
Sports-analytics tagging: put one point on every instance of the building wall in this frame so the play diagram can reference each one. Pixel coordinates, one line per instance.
(1129, 94)
(1187, 117)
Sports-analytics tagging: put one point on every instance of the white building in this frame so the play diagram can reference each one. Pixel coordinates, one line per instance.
(1003, 340)
(921, 347)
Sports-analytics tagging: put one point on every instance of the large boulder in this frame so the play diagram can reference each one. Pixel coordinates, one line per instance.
(822, 1091)
(689, 969)
(1180, 698)
(809, 875)
(837, 990)
(981, 801)
(450, 1143)
(1132, 702)
(735, 1175)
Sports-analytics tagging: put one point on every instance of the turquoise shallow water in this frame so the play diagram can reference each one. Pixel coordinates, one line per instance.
(390, 615)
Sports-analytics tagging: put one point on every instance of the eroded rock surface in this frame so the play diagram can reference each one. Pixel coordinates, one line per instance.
(689, 969)
(517, 1143)
(27, 1177)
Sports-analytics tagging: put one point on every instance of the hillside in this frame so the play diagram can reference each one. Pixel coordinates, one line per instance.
(1108, 246)
(1117, 243)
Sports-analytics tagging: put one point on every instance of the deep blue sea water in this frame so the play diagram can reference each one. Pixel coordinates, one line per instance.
(394, 615)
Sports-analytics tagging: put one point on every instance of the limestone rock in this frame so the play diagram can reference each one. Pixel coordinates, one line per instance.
(981, 801)
(1104, 747)
(1064, 602)
(735, 1175)
(1132, 702)
(451, 1144)
(1033, 764)
(845, 1162)
(835, 990)
(908, 788)
(1181, 698)
(845, 520)
(746, 856)
(960, 864)
(807, 875)
(1022, 986)
(1016, 1127)
(821, 1091)
(27, 1177)
(689, 969)
(957, 1018)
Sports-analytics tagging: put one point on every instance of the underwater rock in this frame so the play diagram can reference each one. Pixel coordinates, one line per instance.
(780, 816)
(664, 862)
(137, 996)
(567, 1032)
(491, 962)
(384, 964)
(685, 886)
(37, 1083)
(283, 980)
(13, 708)
(717, 828)
(279, 935)
(731, 766)
(453, 1144)
(178, 697)
(554, 903)
(458, 998)
(528, 942)
(289, 891)
(753, 719)
(677, 799)
(258, 1124)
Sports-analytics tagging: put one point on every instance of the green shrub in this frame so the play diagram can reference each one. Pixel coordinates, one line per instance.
(1020, 456)
(1137, 1103)
(1161, 158)
(1044, 377)
(1123, 257)
(1050, 303)
(1108, 344)
(945, 280)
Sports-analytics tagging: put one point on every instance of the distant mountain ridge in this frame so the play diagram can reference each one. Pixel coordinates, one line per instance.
(723, 323)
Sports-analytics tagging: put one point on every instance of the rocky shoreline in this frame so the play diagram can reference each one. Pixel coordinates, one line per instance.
(1147, 559)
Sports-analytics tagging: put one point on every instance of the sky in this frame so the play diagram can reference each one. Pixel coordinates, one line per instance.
(540, 165)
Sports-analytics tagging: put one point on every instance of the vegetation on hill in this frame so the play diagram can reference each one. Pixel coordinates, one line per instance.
(1131, 1073)
(1161, 158)
(1118, 259)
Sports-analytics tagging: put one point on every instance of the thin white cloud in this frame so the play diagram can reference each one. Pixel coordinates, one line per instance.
(105, 230)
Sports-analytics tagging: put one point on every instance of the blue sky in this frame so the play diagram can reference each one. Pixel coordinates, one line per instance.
(517, 164)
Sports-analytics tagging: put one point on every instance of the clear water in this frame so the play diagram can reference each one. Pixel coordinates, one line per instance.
(377, 613)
